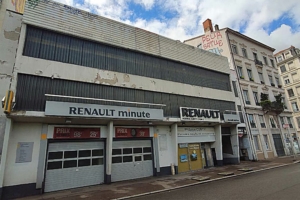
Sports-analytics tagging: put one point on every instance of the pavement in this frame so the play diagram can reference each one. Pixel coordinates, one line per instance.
(151, 185)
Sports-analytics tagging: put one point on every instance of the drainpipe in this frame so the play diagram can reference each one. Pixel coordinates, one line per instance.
(252, 147)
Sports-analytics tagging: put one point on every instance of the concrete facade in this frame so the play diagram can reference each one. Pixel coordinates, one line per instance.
(254, 71)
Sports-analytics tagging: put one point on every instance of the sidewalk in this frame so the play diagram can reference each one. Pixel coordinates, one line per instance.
(125, 189)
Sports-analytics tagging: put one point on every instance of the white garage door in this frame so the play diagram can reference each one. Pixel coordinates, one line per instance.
(74, 164)
(131, 160)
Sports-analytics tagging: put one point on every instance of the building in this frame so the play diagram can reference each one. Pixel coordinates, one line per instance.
(98, 101)
(256, 82)
(289, 64)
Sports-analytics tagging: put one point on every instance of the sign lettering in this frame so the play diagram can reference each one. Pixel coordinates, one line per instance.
(198, 114)
(132, 132)
(75, 133)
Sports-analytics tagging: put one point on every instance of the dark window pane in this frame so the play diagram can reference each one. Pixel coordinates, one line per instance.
(55, 155)
(54, 165)
(62, 48)
(84, 162)
(127, 159)
(138, 158)
(148, 157)
(88, 53)
(33, 42)
(137, 150)
(147, 149)
(127, 151)
(70, 163)
(116, 151)
(97, 161)
(84, 153)
(70, 154)
(48, 42)
(117, 159)
(75, 51)
(97, 152)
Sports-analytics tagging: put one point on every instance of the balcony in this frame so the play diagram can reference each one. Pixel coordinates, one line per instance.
(258, 62)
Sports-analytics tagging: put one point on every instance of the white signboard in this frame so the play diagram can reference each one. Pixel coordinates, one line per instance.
(199, 114)
(196, 134)
(101, 111)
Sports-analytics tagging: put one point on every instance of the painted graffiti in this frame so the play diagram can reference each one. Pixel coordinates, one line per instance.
(212, 40)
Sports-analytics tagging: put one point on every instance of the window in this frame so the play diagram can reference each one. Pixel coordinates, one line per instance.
(281, 121)
(272, 122)
(249, 72)
(235, 88)
(234, 49)
(244, 52)
(277, 81)
(295, 107)
(298, 121)
(290, 92)
(282, 69)
(266, 142)
(287, 81)
(272, 63)
(240, 72)
(283, 101)
(241, 114)
(289, 122)
(271, 80)
(256, 143)
(262, 121)
(279, 58)
(251, 120)
(261, 77)
(246, 97)
(295, 77)
(255, 56)
(255, 95)
(265, 60)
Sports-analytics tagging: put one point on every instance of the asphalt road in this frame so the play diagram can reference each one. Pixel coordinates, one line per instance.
(276, 184)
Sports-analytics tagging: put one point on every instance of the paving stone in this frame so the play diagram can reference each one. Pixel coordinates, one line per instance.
(245, 169)
(201, 178)
(226, 173)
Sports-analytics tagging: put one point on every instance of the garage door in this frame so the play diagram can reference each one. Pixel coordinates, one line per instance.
(131, 160)
(74, 164)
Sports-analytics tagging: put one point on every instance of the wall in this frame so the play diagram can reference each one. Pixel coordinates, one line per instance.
(165, 146)
(9, 38)
(22, 173)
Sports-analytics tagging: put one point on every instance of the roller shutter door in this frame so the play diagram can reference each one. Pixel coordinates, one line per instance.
(131, 160)
(74, 164)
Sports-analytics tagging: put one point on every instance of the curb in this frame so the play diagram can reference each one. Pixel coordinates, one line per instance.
(202, 182)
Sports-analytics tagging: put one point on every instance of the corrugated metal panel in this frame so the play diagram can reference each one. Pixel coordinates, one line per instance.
(63, 18)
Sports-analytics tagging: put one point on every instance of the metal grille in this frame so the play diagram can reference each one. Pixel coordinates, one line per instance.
(50, 45)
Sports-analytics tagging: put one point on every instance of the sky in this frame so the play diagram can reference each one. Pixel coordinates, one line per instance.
(275, 23)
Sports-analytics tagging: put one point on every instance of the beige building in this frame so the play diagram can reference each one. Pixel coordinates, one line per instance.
(289, 64)
(254, 72)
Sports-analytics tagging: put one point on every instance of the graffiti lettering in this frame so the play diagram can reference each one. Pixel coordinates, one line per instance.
(212, 40)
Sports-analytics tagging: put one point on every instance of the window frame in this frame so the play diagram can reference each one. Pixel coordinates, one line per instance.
(282, 68)
(240, 71)
(272, 63)
(255, 96)
(244, 51)
(267, 143)
(262, 121)
(292, 94)
(261, 77)
(249, 72)
(234, 49)
(252, 121)
(265, 60)
(289, 121)
(256, 142)
(272, 120)
(246, 97)
(296, 106)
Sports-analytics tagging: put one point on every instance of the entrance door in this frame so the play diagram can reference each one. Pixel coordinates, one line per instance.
(74, 164)
(189, 157)
(195, 157)
(278, 144)
(131, 160)
(183, 158)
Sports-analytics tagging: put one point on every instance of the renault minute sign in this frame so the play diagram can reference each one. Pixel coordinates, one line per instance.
(198, 114)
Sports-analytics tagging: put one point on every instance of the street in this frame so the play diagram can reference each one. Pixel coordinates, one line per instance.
(281, 183)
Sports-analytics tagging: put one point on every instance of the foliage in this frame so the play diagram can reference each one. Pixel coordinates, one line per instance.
(276, 106)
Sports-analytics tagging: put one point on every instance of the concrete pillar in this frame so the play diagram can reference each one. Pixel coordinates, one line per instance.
(7, 133)
(109, 139)
(235, 144)
(156, 151)
(218, 145)
(174, 137)
(42, 157)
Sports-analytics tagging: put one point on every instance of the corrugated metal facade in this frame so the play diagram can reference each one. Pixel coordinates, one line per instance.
(49, 45)
(31, 90)
(55, 16)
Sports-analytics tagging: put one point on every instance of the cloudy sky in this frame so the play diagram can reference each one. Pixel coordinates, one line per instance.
(273, 22)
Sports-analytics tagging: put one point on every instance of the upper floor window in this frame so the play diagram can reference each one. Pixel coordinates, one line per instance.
(277, 81)
(255, 56)
(251, 120)
(249, 71)
(286, 81)
(244, 52)
(234, 49)
(271, 80)
(279, 58)
(289, 121)
(266, 142)
(272, 63)
(246, 97)
(262, 121)
(255, 95)
(256, 142)
(295, 106)
(235, 88)
(282, 120)
(282, 69)
(265, 60)
(290, 92)
(298, 121)
(240, 72)
(272, 122)
(261, 77)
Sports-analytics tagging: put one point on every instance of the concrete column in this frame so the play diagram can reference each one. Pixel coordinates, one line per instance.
(235, 144)
(42, 157)
(7, 133)
(156, 151)
(218, 145)
(109, 139)
(174, 137)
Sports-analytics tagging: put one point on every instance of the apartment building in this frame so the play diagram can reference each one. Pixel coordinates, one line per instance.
(98, 101)
(288, 62)
(257, 84)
